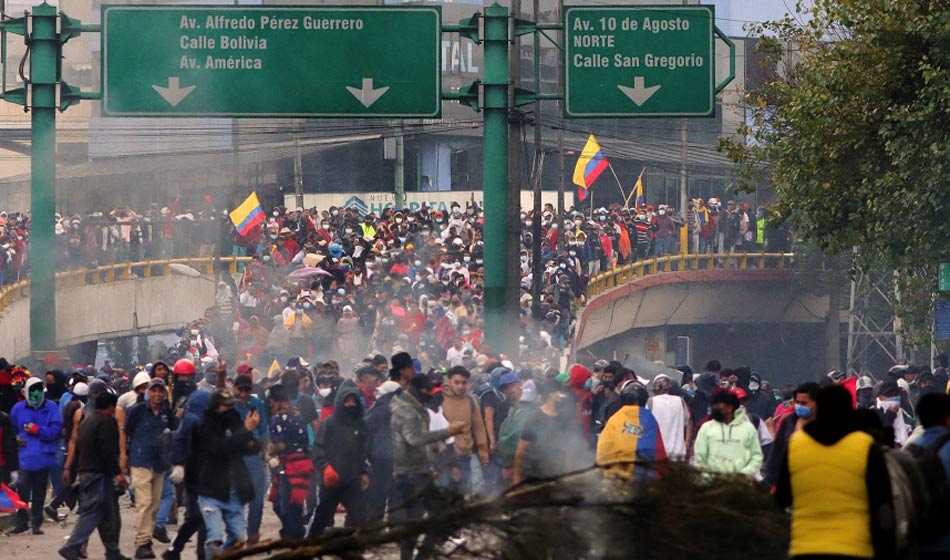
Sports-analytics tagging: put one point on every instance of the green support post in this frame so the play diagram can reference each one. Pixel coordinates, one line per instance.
(495, 176)
(44, 44)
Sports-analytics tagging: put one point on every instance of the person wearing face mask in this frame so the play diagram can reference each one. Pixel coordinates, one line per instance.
(414, 457)
(38, 426)
(665, 232)
(340, 460)
(803, 412)
(727, 444)
(888, 408)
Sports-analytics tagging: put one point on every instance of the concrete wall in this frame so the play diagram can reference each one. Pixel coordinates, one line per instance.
(123, 308)
(699, 298)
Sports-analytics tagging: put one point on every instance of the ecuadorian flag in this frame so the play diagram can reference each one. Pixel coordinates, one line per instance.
(589, 166)
(248, 214)
(639, 190)
(9, 500)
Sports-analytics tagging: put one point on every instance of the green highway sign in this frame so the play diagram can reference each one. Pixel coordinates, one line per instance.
(639, 61)
(943, 278)
(271, 61)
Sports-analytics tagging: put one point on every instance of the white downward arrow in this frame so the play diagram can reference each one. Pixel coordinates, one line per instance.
(173, 94)
(638, 94)
(366, 94)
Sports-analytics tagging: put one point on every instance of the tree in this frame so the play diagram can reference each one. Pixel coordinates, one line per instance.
(854, 134)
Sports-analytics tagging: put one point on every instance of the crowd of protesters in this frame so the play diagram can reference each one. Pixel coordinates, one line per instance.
(310, 439)
(598, 238)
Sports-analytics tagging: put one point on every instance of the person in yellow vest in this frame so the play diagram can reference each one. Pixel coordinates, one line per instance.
(836, 483)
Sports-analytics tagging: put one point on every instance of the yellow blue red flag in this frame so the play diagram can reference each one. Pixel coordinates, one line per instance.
(589, 166)
(639, 190)
(248, 214)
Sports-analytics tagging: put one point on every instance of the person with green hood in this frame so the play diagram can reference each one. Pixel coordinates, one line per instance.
(39, 427)
(727, 444)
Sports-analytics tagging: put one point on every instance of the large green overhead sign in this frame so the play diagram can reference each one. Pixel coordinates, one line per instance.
(276, 61)
(639, 61)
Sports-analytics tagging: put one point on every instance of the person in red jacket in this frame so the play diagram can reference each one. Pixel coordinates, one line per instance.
(577, 380)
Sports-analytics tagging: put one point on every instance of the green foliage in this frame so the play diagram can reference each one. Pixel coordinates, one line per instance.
(854, 133)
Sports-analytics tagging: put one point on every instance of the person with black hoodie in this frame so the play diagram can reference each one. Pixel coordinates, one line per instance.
(835, 480)
(223, 484)
(340, 459)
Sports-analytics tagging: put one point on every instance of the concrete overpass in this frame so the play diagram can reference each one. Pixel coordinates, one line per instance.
(741, 309)
(113, 301)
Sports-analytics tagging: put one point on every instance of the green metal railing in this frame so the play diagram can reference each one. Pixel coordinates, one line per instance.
(117, 273)
(620, 275)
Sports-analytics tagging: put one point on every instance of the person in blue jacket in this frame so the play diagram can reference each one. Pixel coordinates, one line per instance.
(185, 469)
(39, 427)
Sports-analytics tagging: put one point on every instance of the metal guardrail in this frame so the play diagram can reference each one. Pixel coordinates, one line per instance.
(620, 275)
(118, 272)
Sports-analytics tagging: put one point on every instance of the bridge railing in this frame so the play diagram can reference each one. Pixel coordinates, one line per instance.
(119, 272)
(623, 274)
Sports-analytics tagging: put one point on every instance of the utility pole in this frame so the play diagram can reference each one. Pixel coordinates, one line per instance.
(44, 44)
(495, 176)
(537, 269)
(684, 159)
(399, 181)
(298, 167)
(516, 163)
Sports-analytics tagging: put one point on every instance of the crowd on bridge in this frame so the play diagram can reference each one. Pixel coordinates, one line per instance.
(601, 238)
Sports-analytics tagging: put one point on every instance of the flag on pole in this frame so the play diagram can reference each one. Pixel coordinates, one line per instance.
(589, 166)
(274, 369)
(248, 214)
(641, 200)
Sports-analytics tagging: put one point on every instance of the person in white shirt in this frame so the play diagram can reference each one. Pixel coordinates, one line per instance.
(672, 415)
(456, 354)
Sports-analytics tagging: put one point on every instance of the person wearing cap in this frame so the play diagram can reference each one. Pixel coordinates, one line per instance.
(245, 402)
(98, 475)
(148, 426)
(39, 427)
(889, 410)
(289, 446)
(223, 483)
(510, 432)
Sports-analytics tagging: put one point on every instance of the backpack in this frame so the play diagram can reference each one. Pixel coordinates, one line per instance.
(909, 500)
(933, 522)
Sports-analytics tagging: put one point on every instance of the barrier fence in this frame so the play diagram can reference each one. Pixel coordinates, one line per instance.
(120, 272)
(620, 275)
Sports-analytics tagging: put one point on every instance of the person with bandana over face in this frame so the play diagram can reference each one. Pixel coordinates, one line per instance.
(413, 457)
(340, 458)
(39, 427)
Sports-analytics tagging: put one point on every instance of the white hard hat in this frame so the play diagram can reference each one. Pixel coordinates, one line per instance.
(865, 382)
(80, 389)
(141, 378)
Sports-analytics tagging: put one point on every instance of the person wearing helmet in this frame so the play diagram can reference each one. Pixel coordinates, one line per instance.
(139, 384)
(865, 392)
(631, 445)
(183, 382)
(39, 427)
